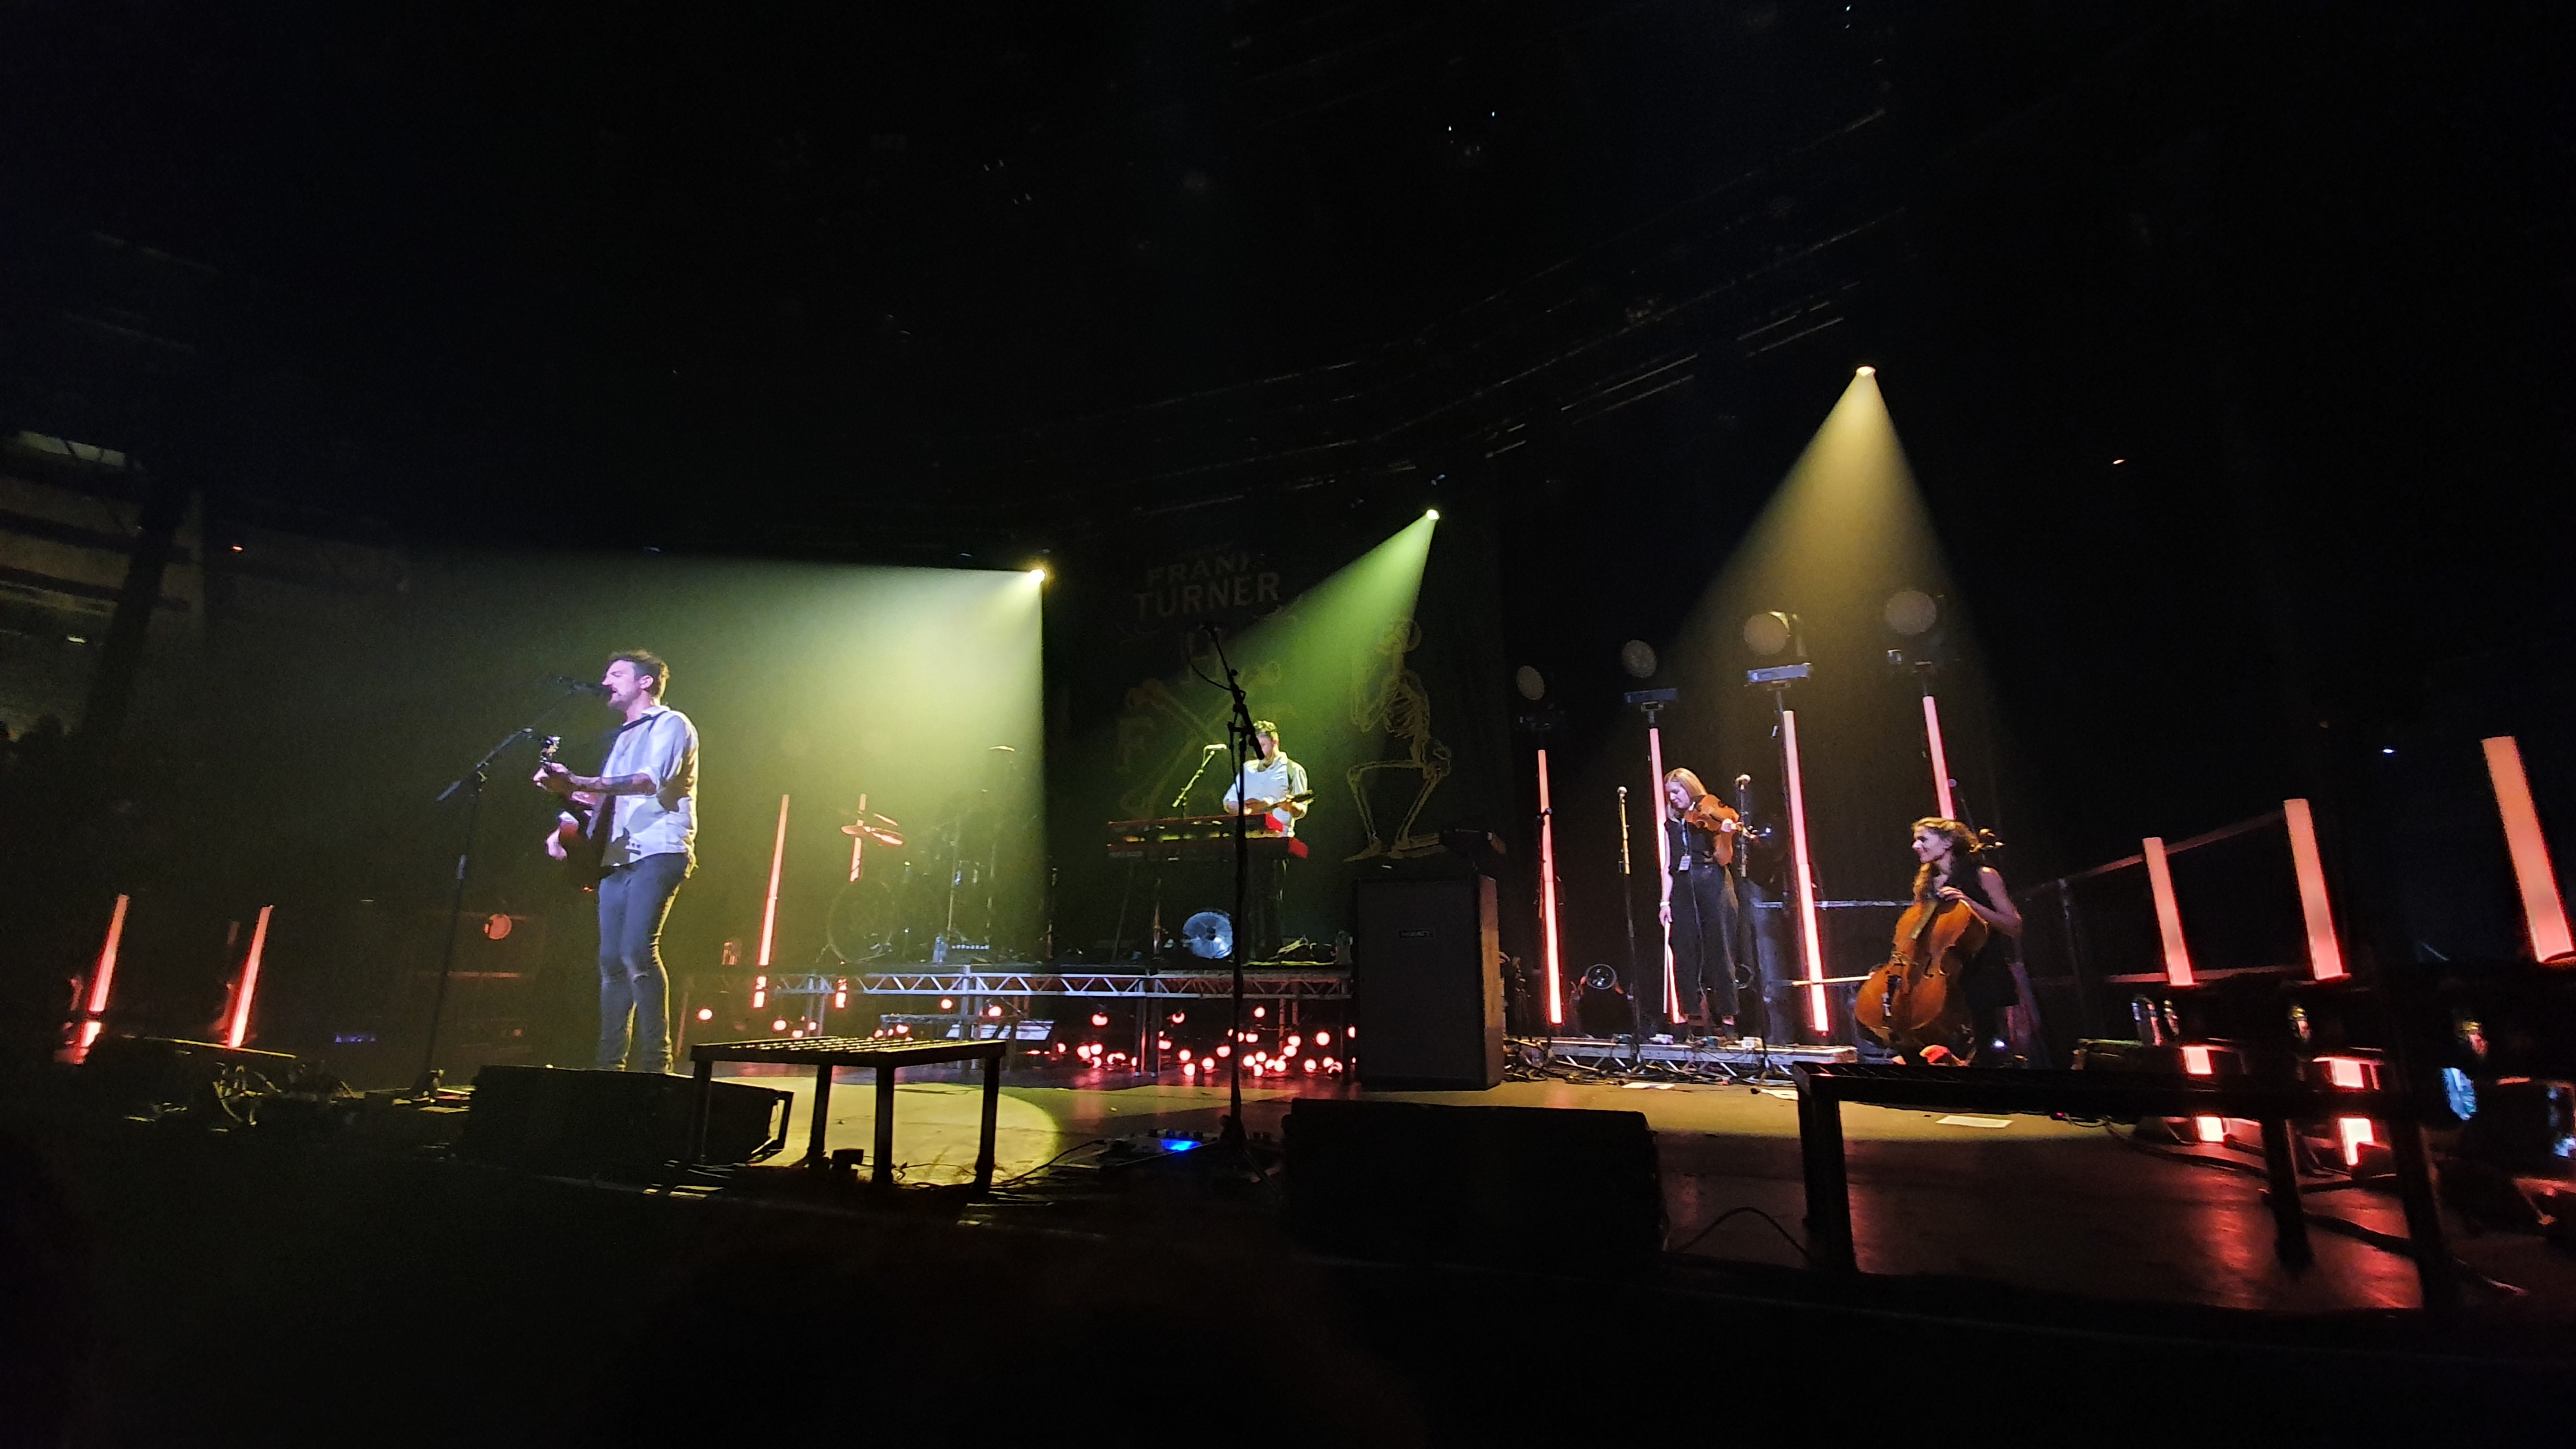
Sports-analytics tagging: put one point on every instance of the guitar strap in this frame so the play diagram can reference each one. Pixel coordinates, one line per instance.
(603, 816)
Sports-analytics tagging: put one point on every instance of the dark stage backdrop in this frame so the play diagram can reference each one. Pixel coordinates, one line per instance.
(1391, 698)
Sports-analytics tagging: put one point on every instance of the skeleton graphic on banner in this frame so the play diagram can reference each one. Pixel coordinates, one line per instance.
(1388, 699)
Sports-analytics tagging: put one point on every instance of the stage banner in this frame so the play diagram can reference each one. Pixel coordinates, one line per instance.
(1374, 650)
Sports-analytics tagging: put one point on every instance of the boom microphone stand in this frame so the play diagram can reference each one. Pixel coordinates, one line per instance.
(1238, 734)
(1628, 902)
(472, 782)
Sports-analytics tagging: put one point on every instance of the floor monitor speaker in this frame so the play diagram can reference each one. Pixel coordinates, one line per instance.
(573, 1123)
(140, 1073)
(1427, 972)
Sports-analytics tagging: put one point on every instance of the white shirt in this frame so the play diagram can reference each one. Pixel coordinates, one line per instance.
(1279, 780)
(662, 746)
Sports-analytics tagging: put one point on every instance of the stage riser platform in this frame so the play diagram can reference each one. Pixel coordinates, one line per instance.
(1603, 1052)
(1039, 981)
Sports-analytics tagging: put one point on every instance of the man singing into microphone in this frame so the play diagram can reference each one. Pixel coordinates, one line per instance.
(1272, 789)
(650, 784)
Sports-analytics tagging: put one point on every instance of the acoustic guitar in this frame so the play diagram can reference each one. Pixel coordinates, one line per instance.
(1278, 820)
(580, 827)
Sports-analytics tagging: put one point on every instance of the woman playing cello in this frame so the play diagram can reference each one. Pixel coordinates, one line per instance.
(1954, 871)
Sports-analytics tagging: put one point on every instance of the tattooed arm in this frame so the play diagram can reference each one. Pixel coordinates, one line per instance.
(564, 782)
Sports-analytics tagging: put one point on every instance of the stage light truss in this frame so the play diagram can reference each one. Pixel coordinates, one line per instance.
(1175, 985)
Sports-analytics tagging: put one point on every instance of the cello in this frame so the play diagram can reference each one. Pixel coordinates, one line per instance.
(1914, 1002)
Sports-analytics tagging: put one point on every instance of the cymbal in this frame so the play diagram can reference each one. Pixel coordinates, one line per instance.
(882, 837)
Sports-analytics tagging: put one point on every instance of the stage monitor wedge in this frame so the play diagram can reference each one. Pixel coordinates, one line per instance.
(620, 1125)
(1427, 975)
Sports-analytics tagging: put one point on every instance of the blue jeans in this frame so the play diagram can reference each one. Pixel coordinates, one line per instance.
(633, 900)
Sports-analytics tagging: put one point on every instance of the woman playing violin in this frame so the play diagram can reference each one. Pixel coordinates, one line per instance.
(1954, 870)
(1700, 840)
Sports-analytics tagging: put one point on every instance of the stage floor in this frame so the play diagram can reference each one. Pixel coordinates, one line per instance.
(2032, 1202)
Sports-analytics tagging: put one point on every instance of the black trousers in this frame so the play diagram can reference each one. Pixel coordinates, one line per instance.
(1704, 940)
(1265, 902)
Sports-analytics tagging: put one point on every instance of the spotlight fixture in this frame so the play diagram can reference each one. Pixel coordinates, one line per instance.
(1531, 684)
(1601, 1005)
(1039, 573)
(1638, 658)
(1865, 370)
(1769, 632)
(1911, 611)
(1431, 513)
(1210, 935)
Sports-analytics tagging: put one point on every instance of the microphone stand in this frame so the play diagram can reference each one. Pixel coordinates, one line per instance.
(1207, 757)
(1628, 905)
(1748, 940)
(1147, 1032)
(472, 782)
(1239, 735)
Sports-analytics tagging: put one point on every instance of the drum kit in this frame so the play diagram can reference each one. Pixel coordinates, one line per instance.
(932, 903)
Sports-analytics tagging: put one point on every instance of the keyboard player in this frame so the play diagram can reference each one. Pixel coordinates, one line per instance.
(1272, 786)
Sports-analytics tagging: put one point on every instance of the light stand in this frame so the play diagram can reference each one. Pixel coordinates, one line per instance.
(1543, 722)
(1555, 1015)
(1652, 702)
(1777, 679)
(472, 781)
(1923, 667)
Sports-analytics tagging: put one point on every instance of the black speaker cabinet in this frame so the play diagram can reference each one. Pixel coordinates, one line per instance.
(1537, 1188)
(583, 1123)
(1427, 972)
(137, 1073)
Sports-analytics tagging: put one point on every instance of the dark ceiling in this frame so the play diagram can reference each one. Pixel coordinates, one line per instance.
(835, 256)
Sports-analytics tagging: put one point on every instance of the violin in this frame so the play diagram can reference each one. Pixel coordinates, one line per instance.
(1708, 814)
(1914, 1002)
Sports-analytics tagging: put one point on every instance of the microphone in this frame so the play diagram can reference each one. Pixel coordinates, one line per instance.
(584, 685)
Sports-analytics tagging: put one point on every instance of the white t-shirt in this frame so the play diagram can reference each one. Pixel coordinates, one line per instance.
(1279, 780)
(662, 746)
